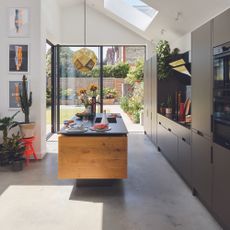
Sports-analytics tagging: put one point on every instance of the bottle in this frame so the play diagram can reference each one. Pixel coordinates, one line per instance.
(104, 119)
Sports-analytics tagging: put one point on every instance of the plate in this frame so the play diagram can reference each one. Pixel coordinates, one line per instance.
(75, 130)
(100, 130)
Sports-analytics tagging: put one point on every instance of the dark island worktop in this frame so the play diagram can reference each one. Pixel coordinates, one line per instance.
(116, 124)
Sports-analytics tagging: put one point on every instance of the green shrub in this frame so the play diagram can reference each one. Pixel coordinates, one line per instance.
(48, 97)
(124, 102)
(120, 70)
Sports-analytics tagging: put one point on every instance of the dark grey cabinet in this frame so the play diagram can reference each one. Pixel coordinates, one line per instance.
(221, 28)
(202, 167)
(201, 79)
(150, 79)
(147, 97)
(154, 98)
(184, 160)
(221, 184)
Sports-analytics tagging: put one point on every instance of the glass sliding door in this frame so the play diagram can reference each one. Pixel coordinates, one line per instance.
(50, 89)
(118, 77)
(73, 84)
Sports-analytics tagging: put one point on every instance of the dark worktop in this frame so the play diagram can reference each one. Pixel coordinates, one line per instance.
(117, 127)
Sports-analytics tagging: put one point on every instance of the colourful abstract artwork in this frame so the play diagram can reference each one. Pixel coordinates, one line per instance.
(18, 22)
(18, 58)
(14, 97)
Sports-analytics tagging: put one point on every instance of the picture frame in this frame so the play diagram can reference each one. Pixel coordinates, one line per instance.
(14, 97)
(18, 18)
(18, 58)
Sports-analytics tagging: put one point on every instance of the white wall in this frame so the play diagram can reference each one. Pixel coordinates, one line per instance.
(52, 20)
(183, 43)
(36, 75)
(101, 30)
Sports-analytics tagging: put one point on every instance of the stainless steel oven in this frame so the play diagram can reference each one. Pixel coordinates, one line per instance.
(221, 95)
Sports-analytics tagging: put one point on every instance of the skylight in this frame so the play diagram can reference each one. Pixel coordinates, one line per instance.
(134, 12)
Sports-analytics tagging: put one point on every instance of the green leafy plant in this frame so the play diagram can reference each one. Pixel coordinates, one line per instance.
(124, 102)
(136, 74)
(169, 102)
(25, 99)
(120, 70)
(133, 104)
(109, 93)
(7, 123)
(163, 55)
(15, 147)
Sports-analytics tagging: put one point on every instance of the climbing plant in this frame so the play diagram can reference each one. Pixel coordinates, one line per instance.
(163, 55)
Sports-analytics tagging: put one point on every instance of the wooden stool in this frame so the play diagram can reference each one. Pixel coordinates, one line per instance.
(28, 142)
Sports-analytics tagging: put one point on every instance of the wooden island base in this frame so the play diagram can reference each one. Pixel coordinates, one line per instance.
(92, 157)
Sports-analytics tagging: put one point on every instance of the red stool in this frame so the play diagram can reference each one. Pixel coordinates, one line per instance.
(28, 142)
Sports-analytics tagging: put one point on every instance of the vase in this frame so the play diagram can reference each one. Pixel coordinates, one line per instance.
(93, 106)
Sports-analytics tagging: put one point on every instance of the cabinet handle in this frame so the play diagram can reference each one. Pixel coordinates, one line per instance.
(183, 139)
(159, 123)
(211, 157)
(211, 123)
(169, 130)
(200, 133)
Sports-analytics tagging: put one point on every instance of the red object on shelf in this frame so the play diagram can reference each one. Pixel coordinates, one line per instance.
(182, 112)
(28, 142)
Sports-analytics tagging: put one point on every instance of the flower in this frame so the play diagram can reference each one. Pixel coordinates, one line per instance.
(93, 88)
(82, 91)
(84, 97)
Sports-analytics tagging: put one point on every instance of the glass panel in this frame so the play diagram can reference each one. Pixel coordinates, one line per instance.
(73, 83)
(123, 79)
(218, 71)
(48, 88)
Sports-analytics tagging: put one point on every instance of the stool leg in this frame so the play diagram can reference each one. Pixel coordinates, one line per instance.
(27, 157)
(35, 156)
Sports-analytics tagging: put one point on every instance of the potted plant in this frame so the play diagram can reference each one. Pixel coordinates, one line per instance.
(27, 128)
(162, 108)
(6, 123)
(109, 96)
(168, 109)
(16, 150)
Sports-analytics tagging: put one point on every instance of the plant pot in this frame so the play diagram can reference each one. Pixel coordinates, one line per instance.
(168, 112)
(162, 110)
(27, 130)
(17, 165)
(108, 101)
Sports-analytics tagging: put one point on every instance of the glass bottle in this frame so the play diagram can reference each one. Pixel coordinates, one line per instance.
(104, 119)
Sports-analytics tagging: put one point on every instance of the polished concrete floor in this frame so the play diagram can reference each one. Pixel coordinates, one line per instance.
(152, 198)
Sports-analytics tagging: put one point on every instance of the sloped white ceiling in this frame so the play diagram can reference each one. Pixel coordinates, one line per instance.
(167, 25)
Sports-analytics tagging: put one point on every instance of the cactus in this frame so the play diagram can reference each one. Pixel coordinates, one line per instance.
(25, 99)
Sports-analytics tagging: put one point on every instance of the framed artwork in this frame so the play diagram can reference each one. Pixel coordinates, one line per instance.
(18, 58)
(14, 97)
(18, 22)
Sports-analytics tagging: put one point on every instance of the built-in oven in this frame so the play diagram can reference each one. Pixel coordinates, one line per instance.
(221, 95)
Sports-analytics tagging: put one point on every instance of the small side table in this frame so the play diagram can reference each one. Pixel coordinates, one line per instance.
(28, 142)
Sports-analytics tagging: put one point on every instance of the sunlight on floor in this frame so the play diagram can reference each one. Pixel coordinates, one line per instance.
(47, 207)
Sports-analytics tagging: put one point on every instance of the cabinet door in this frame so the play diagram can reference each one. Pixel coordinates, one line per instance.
(154, 98)
(221, 184)
(167, 141)
(201, 79)
(185, 160)
(172, 148)
(147, 97)
(201, 167)
(221, 28)
(161, 135)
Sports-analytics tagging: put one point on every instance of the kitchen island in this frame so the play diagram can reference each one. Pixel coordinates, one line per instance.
(92, 154)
